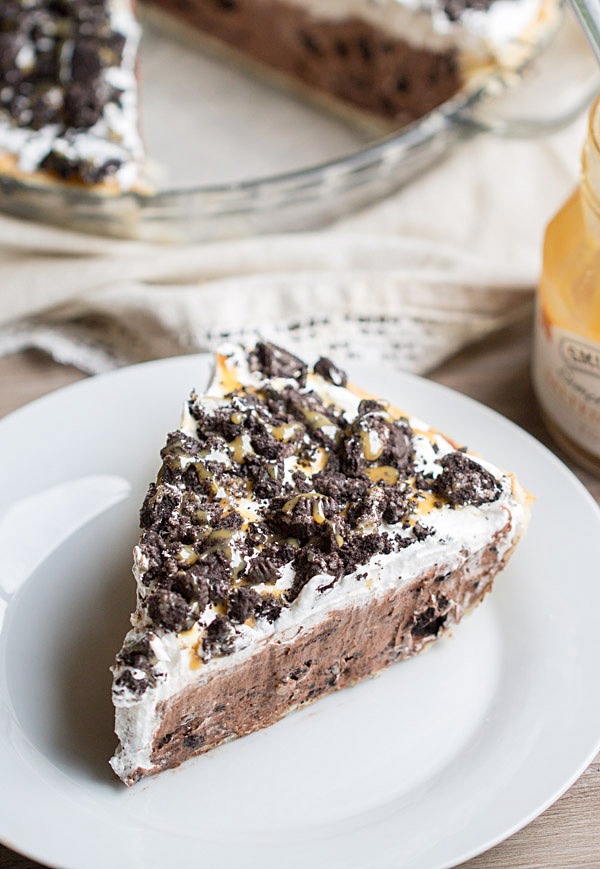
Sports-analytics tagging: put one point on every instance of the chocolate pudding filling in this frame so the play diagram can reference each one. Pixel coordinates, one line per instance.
(350, 60)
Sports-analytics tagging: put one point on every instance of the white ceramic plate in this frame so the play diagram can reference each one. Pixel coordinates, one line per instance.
(435, 761)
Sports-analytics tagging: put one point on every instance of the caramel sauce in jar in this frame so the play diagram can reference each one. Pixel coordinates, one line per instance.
(566, 359)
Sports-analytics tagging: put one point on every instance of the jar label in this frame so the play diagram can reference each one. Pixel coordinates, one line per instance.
(566, 373)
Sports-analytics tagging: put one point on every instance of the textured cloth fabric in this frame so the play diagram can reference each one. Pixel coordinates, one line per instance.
(446, 260)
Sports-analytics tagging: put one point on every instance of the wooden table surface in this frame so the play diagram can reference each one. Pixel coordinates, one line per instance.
(497, 374)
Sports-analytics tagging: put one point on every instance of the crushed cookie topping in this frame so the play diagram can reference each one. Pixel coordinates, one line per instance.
(66, 72)
(271, 485)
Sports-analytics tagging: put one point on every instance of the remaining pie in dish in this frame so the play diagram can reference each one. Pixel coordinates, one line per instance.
(300, 537)
(69, 90)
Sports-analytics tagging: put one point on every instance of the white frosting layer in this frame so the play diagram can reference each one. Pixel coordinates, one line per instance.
(459, 534)
(115, 136)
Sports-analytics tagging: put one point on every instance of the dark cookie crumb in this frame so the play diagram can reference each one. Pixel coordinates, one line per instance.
(160, 555)
(180, 444)
(464, 481)
(352, 458)
(312, 562)
(455, 8)
(428, 623)
(329, 371)
(219, 638)
(302, 483)
(85, 170)
(193, 741)
(274, 361)
(169, 610)
(137, 654)
(215, 567)
(231, 521)
(242, 603)
(193, 586)
(396, 505)
(132, 683)
(265, 484)
(421, 532)
(369, 510)
(157, 508)
(370, 405)
(339, 486)
(270, 608)
(263, 570)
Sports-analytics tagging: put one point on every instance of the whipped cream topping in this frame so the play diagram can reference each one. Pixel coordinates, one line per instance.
(435, 534)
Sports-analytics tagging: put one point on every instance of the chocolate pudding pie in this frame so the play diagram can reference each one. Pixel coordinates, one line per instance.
(300, 537)
(69, 90)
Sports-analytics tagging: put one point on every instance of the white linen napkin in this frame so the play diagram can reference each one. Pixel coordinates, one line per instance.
(409, 280)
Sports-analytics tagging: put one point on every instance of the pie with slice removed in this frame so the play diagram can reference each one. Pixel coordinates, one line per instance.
(69, 95)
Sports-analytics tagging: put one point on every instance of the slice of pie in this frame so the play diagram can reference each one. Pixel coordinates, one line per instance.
(300, 537)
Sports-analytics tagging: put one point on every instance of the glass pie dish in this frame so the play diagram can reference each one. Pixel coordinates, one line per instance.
(239, 157)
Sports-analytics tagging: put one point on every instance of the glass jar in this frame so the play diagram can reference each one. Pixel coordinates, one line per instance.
(566, 359)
